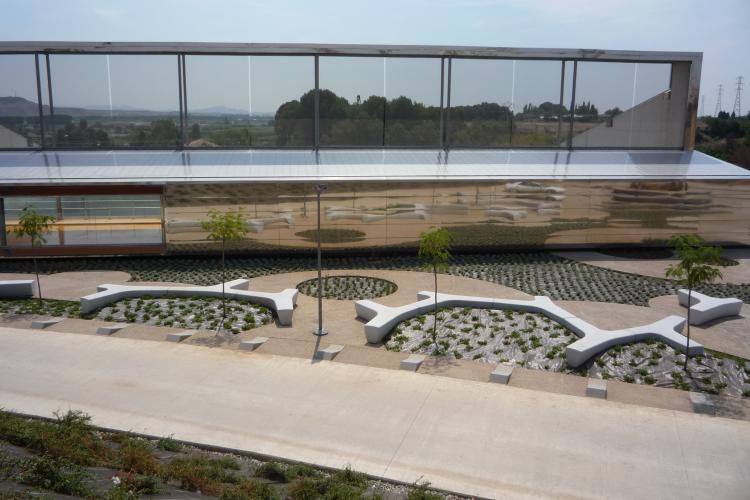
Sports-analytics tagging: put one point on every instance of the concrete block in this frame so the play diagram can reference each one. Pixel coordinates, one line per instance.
(253, 344)
(597, 388)
(41, 324)
(329, 352)
(501, 374)
(702, 403)
(180, 336)
(413, 362)
(17, 288)
(704, 308)
(110, 329)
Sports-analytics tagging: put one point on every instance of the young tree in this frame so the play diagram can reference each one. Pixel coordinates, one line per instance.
(694, 268)
(34, 225)
(224, 227)
(435, 251)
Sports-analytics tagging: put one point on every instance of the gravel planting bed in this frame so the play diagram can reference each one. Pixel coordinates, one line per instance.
(193, 313)
(348, 287)
(537, 342)
(48, 307)
(536, 273)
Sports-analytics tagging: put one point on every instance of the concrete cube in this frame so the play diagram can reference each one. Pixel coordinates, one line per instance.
(597, 388)
(17, 288)
(180, 336)
(253, 344)
(110, 329)
(329, 352)
(413, 362)
(501, 374)
(41, 324)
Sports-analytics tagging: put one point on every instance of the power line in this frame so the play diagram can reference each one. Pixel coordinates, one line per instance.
(737, 109)
(718, 100)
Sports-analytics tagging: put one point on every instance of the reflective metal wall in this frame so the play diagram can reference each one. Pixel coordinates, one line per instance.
(483, 215)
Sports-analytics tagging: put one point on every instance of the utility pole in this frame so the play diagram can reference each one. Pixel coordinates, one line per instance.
(737, 109)
(718, 100)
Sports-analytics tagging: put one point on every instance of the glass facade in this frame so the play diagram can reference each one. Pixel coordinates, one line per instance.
(90, 219)
(328, 100)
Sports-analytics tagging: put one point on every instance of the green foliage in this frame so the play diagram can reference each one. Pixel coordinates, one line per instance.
(34, 225)
(696, 263)
(69, 438)
(273, 471)
(135, 455)
(434, 249)
(225, 226)
(56, 474)
(201, 473)
(249, 490)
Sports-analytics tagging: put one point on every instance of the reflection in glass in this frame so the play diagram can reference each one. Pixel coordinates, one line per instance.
(352, 101)
(623, 105)
(536, 104)
(115, 100)
(481, 112)
(19, 109)
(412, 90)
(250, 101)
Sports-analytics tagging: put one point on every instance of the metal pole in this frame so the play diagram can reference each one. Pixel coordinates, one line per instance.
(184, 97)
(320, 331)
(316, 106)
(442, 109)
(39, 100)
(179, 90)
(49, 96)
(562, 96)
(573, 105)
(448, 107)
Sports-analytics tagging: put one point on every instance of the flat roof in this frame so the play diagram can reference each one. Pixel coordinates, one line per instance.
(160, 167)
(346, 50)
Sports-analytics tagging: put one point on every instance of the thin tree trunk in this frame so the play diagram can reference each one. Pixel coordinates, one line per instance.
(38, 282)
(223, 279)
(434, 323)
(687, 348)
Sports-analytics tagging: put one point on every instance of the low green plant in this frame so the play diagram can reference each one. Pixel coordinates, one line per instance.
(273, 471)
(56, 474)
(135, 456)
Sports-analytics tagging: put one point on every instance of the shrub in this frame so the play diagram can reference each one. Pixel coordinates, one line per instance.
(249, 490)
(273, 471)
(629, 379)
(201, 473)
(58, 475)
(169, 444)
(135, 456)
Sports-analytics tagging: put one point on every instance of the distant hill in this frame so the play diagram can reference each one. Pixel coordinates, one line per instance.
(18, 106)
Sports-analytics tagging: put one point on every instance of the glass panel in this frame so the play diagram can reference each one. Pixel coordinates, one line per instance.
(283, 100)
(14, 205)
(537, 104)
(218, 99)
(352, 91)
(412, 115)
(481, 102)
(622, 105)
(19, 108)
(115, 100)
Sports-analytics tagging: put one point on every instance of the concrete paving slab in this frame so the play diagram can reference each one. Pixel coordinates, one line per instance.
(446, 431)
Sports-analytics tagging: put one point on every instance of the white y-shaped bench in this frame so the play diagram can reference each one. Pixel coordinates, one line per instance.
(281, 302)
(382, 319)
(704, 308)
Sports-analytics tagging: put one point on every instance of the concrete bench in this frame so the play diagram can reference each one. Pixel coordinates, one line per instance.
(41, 324)
(413, 362)
(253, 344)
(110, 329)
(704, 308)
(180, 336)
(596, 388)
(501, 374)
(329, 352)
(282, 303)
(381, 320)
(17, 288)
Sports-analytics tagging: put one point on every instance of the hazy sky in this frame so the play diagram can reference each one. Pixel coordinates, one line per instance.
(718, 28)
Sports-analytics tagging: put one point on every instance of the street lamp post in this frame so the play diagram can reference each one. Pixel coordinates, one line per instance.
(320, 331)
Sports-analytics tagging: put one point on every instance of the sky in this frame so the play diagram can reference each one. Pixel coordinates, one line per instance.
(718, 28)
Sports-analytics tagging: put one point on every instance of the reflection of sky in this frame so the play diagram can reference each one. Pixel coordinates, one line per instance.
(263, 83)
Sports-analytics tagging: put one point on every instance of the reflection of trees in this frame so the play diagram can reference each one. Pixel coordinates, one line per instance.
(80, 134)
